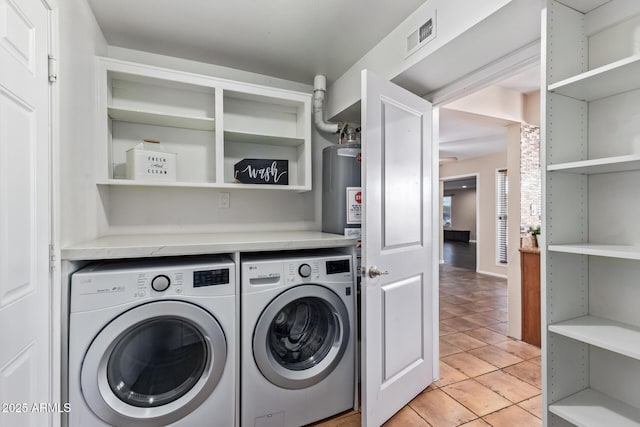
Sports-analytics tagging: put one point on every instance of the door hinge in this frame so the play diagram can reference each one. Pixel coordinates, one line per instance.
(53, 258)
(53, 69)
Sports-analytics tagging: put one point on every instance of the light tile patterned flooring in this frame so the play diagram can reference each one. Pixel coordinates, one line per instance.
(486, 378)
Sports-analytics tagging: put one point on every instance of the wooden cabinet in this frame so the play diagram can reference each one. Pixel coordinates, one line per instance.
(592, 204)
(210, 124)
(530, 279)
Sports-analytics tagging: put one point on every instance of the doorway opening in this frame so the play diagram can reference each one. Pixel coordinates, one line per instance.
(459, 218)
(493, 134)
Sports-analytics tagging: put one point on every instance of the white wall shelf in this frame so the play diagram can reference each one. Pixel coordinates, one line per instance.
(597, 249)
(231, 136)
(611, 79)
(209, 123)
(591, 163)
(590, 408)
(161, 119)
(627, 163)
(603, 333)
(138, 183)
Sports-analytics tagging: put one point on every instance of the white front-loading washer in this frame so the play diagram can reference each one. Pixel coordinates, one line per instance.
(297, 338)
(152, 343)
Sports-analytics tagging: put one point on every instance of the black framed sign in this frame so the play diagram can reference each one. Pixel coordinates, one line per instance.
(262, 171)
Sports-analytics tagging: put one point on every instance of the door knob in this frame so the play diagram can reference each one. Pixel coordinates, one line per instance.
(374, 272)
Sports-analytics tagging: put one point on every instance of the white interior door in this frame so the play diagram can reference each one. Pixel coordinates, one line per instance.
(398, 240)
(24, 213)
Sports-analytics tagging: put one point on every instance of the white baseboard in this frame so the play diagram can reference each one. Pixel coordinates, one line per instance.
(441, 261)
(488, 273)
(473, 241)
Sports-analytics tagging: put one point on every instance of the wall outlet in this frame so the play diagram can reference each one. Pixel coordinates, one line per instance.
(224, 200)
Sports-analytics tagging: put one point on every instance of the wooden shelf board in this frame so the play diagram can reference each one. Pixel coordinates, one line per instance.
(596, 249)
(171, 184)
(611, 79)
(607, 334)
(626, 163)
(590, 408)
(232, 136)
(161, 119)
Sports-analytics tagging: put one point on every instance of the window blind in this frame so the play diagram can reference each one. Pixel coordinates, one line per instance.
(502, 192)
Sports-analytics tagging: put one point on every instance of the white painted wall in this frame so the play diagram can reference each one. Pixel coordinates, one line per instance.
(485, 167)
(513, 232)
(493, 101)
(470, 34)
(532, 108)
(203, 68)
(440, 215)
(89, 211)
(82, 213)
(387, 58)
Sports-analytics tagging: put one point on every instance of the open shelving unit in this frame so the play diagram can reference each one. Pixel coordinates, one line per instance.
(209, 123)
(591, 348)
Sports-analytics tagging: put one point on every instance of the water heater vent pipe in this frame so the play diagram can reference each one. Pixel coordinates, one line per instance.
(319, 91)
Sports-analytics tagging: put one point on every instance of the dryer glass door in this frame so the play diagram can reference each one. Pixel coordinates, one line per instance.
(302, 333)
(157, 362)
(301, 336)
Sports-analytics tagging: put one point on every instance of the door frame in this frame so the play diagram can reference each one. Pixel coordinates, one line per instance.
(509, 65)
(478, 231)
(56, 299)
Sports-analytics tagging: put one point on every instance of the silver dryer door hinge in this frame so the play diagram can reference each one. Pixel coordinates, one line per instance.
(53, 69)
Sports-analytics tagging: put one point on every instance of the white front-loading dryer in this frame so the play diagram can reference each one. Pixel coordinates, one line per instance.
(152, 343)
(297, 338)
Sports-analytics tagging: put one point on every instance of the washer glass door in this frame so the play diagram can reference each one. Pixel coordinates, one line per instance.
(153, 364)
(301, 336)
(157, 362)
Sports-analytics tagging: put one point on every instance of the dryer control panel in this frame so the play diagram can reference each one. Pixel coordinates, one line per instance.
(263, 271)
(303, 271)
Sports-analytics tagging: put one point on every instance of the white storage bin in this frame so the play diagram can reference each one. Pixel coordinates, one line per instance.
(148, 162)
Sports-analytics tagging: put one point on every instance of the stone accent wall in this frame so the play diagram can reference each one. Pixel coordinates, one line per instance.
(530, 177)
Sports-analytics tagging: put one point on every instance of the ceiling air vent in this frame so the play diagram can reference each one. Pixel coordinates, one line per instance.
(422, 35)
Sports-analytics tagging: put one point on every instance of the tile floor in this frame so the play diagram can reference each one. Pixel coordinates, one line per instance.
(486, 378)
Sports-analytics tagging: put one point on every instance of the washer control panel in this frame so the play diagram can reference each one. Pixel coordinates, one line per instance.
(101, 285)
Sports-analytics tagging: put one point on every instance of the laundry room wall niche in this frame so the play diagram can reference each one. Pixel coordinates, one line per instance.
(90, 211)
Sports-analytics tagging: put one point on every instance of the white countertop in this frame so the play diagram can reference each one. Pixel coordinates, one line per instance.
(156, 245)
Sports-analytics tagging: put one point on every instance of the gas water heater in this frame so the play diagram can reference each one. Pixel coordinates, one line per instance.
(341, 191)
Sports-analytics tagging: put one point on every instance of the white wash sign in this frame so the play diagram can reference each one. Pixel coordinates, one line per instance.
(262, 171)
